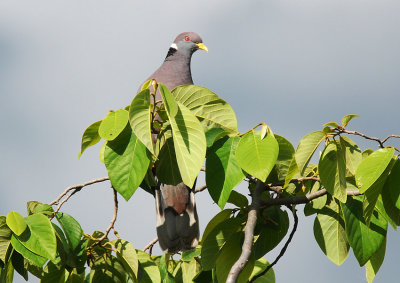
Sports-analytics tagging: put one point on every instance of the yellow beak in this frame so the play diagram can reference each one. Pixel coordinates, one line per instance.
(202, 47)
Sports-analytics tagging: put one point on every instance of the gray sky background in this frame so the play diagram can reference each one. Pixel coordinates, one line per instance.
(292, 64)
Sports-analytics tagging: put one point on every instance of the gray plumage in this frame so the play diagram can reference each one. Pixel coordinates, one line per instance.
(176, 216)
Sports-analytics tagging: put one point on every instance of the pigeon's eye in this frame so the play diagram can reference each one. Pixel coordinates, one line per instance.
(187, 38)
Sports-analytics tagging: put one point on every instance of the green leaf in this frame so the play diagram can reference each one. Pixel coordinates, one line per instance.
(54, 273)
(102, 150)
(149, 269)
(353, 154)
(113, 124)
(320, 202)
(346, 119)
(375, 262)
(216, 220)
(72, 229)
(189, 270)
(167, 165)
(139, 118)
(215, 239)
(223, 172)
(257, 156)
(215, 114)
(5, 237)
(393, 184)
(306, 149)
(18, 263)
(90, 137)
(127, 255)
(285, 156)
(332, 170)
(229, 254)
(364, 241)
(238, 199)
(259, 266)
(38, 207)
(188, 136)
(293, 170)
(40, 237)
(166, 276)
(127, 160)
(16, 222)
(29, 255)
(332, 124)
(7, 273)
(330, 234)
(189, 255)
(372, 167)
(372, 194)
(272, 228)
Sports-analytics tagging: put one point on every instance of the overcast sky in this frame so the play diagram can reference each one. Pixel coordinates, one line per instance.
(292, 64)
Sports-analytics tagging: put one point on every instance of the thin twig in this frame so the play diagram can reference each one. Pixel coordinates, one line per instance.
(77, 188)
(112, 222)
(282, 252)
(390, 136)
(150, 245)
(248, 234)
(200, 189)
(341, 130)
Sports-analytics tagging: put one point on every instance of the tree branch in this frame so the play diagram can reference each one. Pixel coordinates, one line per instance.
(248, 234)
(282, 252)
(112, 222)
(150, 245)
(200, 189)
(301, 200)
(76, 188)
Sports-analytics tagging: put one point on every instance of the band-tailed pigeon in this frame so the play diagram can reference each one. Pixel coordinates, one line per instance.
(176, 215)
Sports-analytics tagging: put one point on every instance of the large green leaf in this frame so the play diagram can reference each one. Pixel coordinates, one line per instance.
(257, 156)
(40, 237)
(189, 270)
(90, 137)
(16, 222)
(216, 220)
(229, 254)
(223, 172)
(375, 262)
(272, 228)
(332, 170)
(188, 136)
(127, 160)
(393, 184)
(127, 255)
(364, 241)
(149, 269)
(163, 264)
(113, 124)
(5, 237)
(72, 229)
(372, 194)
(352, 153)
(215, 239)
(216, 115)
(293, 171)
(372, 167)
(259, 266)
(31, 256)
(306, 148)
(167, 165)
(330, 234)
(140, 118)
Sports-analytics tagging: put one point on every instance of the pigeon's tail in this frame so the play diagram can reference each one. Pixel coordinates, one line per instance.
(177, 221)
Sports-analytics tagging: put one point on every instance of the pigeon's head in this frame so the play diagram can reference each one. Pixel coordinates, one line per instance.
(188, 42)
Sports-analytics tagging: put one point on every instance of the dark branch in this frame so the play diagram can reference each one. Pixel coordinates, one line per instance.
(301, 200)
(248, 234)
(296, 222)
(390, 136)
(200, 189)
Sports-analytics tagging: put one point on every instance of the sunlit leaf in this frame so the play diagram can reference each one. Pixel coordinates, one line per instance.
(71, 227)
(16, 222)
(346, 119)
(257, 156)
(306, 149)
(113, 124)
(375, 262)
(90, 137)
(259, 266)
